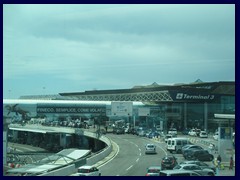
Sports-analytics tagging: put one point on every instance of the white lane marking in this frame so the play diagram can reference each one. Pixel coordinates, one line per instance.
(129, 167)
(140, 154)
(137, 159)
(139, 149)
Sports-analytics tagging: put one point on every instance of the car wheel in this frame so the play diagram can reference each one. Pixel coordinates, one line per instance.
(211, 174)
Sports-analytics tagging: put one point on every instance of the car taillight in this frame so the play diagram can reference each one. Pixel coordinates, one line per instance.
(147, 175)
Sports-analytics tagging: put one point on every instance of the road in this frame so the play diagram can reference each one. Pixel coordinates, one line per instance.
(131, 159)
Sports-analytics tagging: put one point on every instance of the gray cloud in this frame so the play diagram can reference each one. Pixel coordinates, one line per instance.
(104, 45)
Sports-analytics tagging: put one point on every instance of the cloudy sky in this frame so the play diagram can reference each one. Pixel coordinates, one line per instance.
(49, 49)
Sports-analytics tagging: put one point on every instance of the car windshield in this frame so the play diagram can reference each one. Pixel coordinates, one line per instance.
(83, 170)
(153, 170)
(150, 146)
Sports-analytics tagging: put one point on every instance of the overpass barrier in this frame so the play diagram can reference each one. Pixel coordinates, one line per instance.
(72, 168)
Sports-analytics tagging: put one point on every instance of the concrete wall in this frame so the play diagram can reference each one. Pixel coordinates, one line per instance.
(71, 169)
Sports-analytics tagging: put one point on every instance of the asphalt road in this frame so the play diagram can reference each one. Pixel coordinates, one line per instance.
(131, 159)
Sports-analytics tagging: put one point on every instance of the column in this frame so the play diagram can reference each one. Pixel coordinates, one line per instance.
(185, 115)
(205, 120)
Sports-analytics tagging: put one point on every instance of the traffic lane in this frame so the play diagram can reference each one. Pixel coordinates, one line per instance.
(123, 161)
(131, 159)
(147, 160)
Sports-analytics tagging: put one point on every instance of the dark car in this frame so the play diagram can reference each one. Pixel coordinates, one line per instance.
(201, 155)
(189, 148)
(169, 162)
(153, 134)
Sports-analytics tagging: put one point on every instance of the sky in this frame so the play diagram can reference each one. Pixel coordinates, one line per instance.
(53, 48)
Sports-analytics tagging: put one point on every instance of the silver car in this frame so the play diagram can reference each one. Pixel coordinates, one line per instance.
(195, 168)
(150, 149)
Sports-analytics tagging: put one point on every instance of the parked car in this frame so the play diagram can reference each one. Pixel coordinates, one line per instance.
(153, 134)
(88, 171)
(169, 162)
(201, 164)
(153, 171)
(215, 136)
(192, 132)
(203, 134)
(173, 131)
(168, 136)
(178, 173)
(150, 149)
(201, 155)
(195, 168)
(193, 146)
(118, 130)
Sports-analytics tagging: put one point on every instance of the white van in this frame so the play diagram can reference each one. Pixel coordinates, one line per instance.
(176, 144)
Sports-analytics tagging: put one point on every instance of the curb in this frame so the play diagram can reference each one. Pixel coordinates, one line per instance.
(108, 158)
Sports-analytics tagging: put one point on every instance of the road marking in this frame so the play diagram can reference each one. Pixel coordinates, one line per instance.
(137, 159)
(112, 157)
(140, 154)
(129, 167)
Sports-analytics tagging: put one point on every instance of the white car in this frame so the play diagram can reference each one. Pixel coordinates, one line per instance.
(88, 171)
(173, 131)
(215, 136)
(203, 134)
(192, 132)
(150, 149)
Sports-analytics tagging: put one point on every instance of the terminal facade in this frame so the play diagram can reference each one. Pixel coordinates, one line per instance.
(182, 106)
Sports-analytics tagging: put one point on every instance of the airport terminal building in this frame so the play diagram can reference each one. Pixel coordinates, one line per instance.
(183, 106)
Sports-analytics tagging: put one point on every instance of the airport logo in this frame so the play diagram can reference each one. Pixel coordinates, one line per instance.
(179, 96)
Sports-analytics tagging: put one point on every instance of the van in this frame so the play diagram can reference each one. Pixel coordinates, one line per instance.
(178, 173)
(176, 144)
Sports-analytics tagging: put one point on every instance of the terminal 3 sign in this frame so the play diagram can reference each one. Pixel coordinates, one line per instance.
(186, 96)
(68, 110)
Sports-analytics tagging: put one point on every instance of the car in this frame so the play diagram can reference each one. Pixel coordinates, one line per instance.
(192, 132)
(153, 134)
(195, 168)
(150, 149)
(192, 146)
(88, 171)
(201, 164)
(169, 162)
(203, 134)
(178, 173)
(173, 131)
(153, 171)
(201, 155)
(168, 136)
(215, 136)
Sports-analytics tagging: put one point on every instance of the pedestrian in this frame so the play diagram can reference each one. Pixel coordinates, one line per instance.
(231, 163)
(219, 160)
